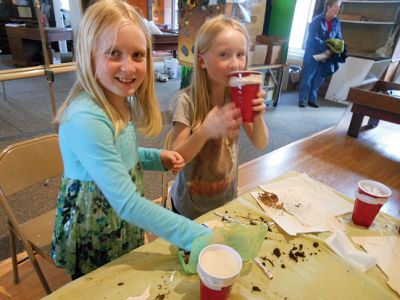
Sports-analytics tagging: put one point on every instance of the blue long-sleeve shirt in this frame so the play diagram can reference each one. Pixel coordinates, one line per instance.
(91, 153)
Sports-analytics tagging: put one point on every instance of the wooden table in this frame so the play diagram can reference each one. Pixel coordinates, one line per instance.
(337, 160)
(372, 100)
(25, 43)
(330, 157)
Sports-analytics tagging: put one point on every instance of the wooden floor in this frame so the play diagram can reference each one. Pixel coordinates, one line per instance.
(29, 286)
(330, 157)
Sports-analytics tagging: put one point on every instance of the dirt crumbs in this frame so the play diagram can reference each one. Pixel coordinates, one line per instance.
(297, 254)
(255, 289)
(270, 200)
(277, 252)
(163, 288)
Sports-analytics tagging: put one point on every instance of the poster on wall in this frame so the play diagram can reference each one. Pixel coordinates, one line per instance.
(192, 14)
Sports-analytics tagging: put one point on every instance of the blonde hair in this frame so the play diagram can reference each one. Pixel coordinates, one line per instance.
(100, 22)
(200, 86)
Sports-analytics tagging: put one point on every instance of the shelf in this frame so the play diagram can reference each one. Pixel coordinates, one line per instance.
(368, 55)
(371, 36)
(368, 22)
(376, 20)
(370, 2)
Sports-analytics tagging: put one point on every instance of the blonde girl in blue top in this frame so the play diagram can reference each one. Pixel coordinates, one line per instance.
(101, 211)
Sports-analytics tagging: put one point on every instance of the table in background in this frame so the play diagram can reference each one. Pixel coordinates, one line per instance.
(25, 43)
(374, 101)
(272, 82)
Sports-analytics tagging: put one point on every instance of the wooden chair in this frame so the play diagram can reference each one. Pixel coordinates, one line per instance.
(22, 165)
(165, 184)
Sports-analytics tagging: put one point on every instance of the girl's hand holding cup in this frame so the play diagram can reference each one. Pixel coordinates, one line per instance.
(259, 106)
(223, 121)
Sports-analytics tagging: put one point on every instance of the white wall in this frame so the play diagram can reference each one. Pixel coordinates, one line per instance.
(76, 15)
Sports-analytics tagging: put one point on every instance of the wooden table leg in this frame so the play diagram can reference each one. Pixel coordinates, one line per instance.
(373, 122)
(3, 84)
(355, 125)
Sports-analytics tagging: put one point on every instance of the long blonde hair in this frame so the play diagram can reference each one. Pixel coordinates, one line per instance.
(200, 86)
(101, 21)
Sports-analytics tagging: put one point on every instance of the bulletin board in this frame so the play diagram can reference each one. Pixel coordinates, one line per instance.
(193, 13)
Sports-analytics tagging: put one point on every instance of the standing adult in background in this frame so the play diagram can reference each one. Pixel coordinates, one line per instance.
(323, 27)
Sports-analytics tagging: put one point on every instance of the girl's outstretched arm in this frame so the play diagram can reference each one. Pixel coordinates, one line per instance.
(258, 130)
(94, 149)
(224, 121)
(172, 160)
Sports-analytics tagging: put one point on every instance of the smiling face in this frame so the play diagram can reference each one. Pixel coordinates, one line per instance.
(121, 67)
(226, 54)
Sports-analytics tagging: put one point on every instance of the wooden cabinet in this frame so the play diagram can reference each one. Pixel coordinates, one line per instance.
(4, 48)
(25, 43)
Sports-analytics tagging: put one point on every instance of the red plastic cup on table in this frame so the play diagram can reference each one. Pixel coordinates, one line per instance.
(370, 197)
(218, 267)
(245, 86)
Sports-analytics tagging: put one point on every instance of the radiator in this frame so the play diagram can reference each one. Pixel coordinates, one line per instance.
(294, 57)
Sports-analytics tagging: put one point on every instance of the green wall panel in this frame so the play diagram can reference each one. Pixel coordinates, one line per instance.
(280, 22)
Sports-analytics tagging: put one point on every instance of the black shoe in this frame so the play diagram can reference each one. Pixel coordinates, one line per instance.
(302, 105)
(313, 104)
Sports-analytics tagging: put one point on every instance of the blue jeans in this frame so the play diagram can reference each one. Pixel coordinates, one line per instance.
(311, 80)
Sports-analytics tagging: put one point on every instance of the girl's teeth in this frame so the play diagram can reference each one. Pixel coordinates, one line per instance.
(125, 80)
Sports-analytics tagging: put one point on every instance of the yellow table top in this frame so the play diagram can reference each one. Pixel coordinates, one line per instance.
(321, 274)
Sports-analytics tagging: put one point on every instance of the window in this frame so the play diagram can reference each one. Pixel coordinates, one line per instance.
(302, 16)
(175, 20)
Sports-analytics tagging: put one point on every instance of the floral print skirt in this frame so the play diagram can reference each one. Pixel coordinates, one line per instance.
(87, 231)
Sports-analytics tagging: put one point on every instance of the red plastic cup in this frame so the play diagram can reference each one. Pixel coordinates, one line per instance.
(370, 197)
(218, 267)
(245, 86)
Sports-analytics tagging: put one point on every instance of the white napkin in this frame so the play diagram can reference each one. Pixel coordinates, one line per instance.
(387, 250)
(289, 223)
(144, 296)
(311, 201)
(342, 246)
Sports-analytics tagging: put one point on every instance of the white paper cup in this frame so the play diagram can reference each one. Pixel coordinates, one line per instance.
(218, 267)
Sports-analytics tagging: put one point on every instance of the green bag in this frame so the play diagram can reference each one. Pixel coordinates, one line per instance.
(245, 239)
(336, 45)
